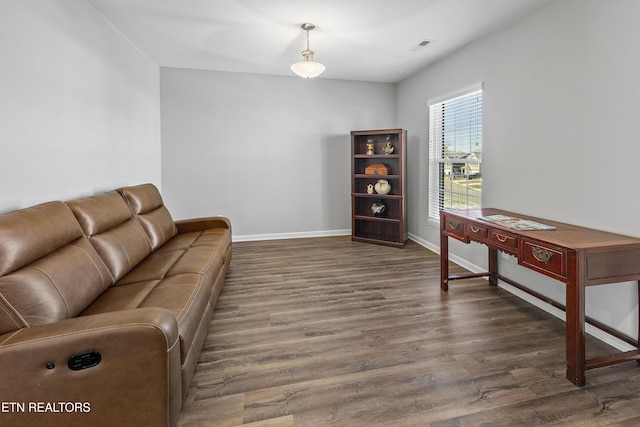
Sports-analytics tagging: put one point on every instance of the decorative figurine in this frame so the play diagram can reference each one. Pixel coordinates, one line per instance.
(388, 148)
(370, 189)
(369, 147)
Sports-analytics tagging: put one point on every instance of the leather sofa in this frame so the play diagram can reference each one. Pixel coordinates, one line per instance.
(105, 303)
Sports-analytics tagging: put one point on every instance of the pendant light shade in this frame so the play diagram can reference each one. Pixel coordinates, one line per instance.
(307, 68)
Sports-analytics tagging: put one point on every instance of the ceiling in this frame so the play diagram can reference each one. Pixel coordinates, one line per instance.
(367, 40)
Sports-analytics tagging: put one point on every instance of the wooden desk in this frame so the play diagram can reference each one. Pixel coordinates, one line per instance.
(577, 256)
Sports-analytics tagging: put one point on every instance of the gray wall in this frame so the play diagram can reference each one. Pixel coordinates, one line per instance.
(79, 105)
(561, 117)
(270, 152)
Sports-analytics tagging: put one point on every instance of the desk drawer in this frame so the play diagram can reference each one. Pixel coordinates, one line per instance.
(503, 240)
(476, 232)
(453, 227)
(546, 259)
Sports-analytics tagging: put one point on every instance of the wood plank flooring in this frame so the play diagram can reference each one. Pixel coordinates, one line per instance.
(329, 332)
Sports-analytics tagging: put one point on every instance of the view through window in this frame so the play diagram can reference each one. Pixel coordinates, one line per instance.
(455, 152)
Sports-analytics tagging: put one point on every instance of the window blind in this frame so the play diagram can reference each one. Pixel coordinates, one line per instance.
(455, 151)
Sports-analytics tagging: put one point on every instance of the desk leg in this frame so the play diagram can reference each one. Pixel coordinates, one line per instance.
(575, 326)
(444, 262)
(638, 336)
(493, 266)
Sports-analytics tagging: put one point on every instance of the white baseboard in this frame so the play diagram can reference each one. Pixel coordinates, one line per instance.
(281, 236)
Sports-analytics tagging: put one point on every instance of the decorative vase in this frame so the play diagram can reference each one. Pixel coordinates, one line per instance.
(370, 189)
(382, 187)
(378, 208)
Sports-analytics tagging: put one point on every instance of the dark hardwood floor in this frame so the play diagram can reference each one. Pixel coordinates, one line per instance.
(329, 332)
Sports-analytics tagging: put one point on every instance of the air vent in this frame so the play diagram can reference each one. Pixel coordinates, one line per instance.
(422, 44)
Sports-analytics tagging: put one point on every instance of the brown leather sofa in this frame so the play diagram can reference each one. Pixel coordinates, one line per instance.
(105, 303)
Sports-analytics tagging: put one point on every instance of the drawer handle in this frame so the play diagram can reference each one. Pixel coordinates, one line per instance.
(454, 225)
(541, 255)
(501, 237)
(474, 229)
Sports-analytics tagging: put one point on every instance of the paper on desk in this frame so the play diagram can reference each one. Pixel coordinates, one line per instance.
(516, 223)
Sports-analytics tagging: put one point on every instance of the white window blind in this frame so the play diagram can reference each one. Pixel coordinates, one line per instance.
(455, 151)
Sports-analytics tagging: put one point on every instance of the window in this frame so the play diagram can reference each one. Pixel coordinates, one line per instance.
(455, 151)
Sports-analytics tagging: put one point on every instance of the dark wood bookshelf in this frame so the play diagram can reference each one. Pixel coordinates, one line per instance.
(388, 228)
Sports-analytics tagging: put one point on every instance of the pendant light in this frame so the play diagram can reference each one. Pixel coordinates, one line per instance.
(307, 68)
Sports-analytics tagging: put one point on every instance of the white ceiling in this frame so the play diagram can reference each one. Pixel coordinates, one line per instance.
(368, 40)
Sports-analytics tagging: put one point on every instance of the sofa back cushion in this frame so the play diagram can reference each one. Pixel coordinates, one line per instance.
(113, 231)
(48, 269)
(146, 203)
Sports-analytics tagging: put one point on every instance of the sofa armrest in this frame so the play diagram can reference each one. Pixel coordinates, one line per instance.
(137, 380)
(200, 224)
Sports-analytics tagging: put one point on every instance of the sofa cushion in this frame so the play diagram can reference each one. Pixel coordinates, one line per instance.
(117, 236)
(196, 252)
(146, 203)
(50, 271)
(185, 295)
(28, 234)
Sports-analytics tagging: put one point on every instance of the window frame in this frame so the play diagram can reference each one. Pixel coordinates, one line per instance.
(436, 134)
